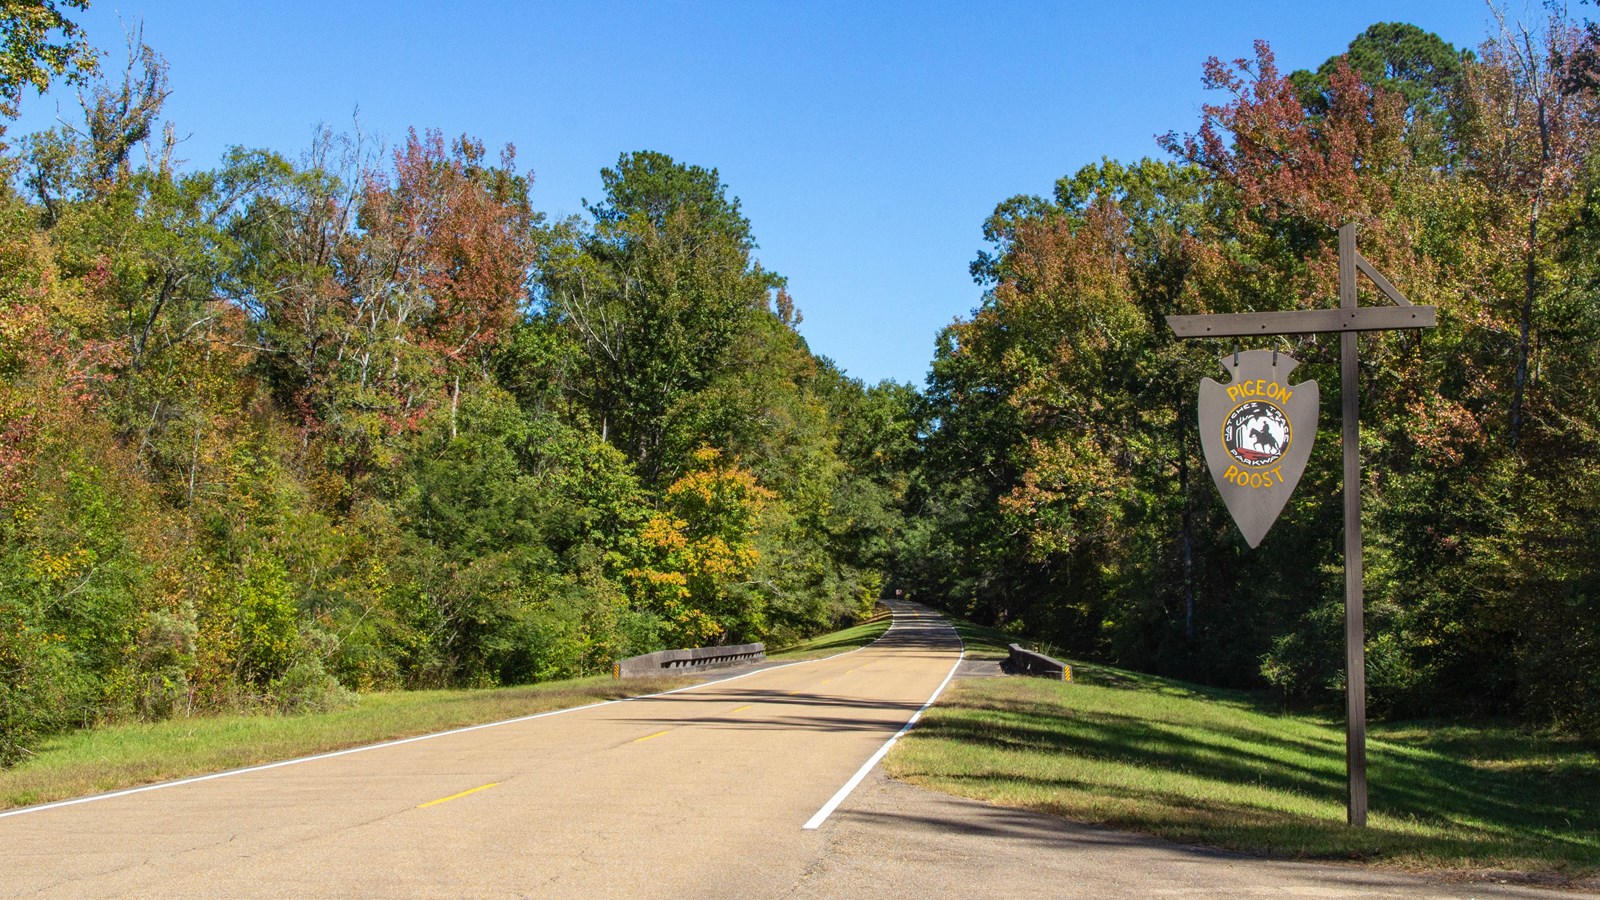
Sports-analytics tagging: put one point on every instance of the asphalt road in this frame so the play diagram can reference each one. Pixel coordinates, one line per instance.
(701, 792)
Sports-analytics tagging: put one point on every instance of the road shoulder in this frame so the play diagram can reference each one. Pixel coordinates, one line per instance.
(897, 839)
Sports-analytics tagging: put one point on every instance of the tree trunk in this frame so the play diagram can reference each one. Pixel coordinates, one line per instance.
(455, 401)
(1524, 326)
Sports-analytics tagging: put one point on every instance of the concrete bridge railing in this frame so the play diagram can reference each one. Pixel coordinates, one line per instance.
(1030, 663)
(665, 662)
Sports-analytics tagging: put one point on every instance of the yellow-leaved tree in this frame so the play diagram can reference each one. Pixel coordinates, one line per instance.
(696, 554)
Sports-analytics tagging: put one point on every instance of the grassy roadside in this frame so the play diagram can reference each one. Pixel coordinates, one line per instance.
(983, 642)
(1217, 768)
(121, 756)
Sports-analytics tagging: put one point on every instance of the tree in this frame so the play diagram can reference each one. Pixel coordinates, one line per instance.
(653, 187)
(1297, 169)
(1420, 66)
(1531, 138)
(38, 42)
(697, 554)
(1052, 440)
(379, 294)
(68, 164)
(659, 296)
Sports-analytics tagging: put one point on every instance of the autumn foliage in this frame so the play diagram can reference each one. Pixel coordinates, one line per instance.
(279, 431)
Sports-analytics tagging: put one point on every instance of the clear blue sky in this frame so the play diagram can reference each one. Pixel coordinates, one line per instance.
(867, 140)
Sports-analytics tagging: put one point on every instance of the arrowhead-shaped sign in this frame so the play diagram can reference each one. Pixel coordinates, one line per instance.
(1257, 432)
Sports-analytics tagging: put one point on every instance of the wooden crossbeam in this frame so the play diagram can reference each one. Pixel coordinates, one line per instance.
(1303, 321)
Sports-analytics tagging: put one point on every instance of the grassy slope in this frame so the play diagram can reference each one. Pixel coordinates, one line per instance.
(1218, 768)
(982, 642)
(121, 756)
(838, 641)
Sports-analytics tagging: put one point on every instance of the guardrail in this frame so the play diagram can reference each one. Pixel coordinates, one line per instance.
(1030, 663)
(666, 661)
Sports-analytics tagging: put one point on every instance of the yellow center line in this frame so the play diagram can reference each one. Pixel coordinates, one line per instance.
(649, 736)
(456, 796)
(740, 709)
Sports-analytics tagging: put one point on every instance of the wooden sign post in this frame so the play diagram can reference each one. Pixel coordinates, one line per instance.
(1348, 320)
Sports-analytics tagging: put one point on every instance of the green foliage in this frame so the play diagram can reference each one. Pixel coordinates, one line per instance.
(41, 685)
(665, 300)
(651, 188)
(77, 588)
(39, 42)
(268, 638)
(1420, 66)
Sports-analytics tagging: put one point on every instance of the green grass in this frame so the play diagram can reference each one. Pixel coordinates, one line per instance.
(1219, 768)
(121, 756)
(838, 641)
(983, 642)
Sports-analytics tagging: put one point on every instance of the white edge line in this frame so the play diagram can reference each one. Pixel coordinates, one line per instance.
(411, 740)
(827, 809)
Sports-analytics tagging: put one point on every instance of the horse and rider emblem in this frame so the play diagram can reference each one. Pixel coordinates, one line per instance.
(1257, 431)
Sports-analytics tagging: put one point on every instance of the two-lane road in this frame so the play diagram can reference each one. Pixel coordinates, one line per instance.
(703, 790)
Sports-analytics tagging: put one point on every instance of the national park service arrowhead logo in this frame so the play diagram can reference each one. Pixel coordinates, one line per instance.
(1257, 432)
